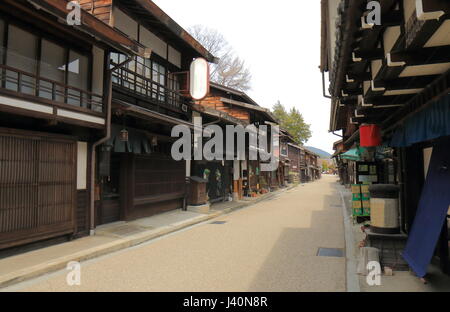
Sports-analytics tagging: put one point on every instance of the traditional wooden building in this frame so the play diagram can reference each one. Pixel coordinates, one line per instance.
(286, 161)
(137, 175)
(218, 173)
(296, 155)
(247, 176)
(301, 164)
(54, 109)
(312, 167)
(342, 165)
(395, 78)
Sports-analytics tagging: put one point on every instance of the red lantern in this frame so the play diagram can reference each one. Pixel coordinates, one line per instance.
(370, 135)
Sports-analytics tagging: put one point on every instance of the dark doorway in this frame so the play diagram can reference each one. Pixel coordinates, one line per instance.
(219, 176)
(109, 210)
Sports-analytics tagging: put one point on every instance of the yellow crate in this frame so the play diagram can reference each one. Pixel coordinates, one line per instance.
(356, 188)
(356, 204)
(364, 188)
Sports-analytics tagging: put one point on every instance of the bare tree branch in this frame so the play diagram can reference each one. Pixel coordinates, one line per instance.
(231, 70)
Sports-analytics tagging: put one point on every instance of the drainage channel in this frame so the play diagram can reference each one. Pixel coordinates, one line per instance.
(330, 252)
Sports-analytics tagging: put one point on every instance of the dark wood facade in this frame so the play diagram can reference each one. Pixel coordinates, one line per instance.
(52, 109)
(237, 108)
(149, 97)
(38, 192)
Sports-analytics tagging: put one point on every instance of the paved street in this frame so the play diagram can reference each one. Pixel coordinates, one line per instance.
(271, 246)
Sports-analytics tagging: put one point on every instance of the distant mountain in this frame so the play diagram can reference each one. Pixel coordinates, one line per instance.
(318, 151)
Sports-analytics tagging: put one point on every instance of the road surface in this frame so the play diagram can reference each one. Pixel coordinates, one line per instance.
(271, 246)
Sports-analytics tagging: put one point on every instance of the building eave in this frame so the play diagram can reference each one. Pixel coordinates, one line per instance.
(176, 29)
(90, 25)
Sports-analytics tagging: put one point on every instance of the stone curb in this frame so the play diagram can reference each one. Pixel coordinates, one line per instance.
(119, 244)
(352, 279)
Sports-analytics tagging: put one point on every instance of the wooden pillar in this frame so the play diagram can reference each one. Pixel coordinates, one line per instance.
(237, 182)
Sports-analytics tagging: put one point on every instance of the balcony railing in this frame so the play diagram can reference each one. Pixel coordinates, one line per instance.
(144, 86)
(19, 81)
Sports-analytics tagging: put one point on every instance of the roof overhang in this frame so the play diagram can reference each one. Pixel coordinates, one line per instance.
(218, 114)
(147, 114)
(249, 103)
(229, 90)
(89, 25)
(387, 72)
(155, 14)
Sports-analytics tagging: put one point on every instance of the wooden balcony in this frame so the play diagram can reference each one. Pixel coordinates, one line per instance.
(28, 94)
(149, 90)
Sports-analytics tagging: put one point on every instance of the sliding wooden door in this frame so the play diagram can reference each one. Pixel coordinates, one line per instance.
(37, 187)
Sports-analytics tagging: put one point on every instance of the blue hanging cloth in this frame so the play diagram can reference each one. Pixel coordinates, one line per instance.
(431, 123)
(432, 211)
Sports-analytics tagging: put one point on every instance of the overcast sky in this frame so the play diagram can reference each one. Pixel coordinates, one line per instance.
(280, 42)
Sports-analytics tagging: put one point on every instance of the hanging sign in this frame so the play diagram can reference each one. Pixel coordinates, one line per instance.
(199, 79)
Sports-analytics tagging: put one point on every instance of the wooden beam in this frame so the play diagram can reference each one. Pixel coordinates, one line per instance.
(435, 91)
(376, 54)
(423, 56)
(388, 100)
(406, 83)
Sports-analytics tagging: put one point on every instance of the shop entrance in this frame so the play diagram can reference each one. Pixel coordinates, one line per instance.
(219, 177)
(109, 211)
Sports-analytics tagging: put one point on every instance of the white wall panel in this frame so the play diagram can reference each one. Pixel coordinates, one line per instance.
(151, 41)
(125, 23)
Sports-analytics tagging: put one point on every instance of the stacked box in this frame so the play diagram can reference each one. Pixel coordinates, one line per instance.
(357, 207)
(361, 200)
(356, 188)
(365, 197)
(365, 188)
(366, 208)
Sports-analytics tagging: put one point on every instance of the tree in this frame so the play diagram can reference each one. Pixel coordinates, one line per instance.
(325, 165)
(292, 122)
(231, 70)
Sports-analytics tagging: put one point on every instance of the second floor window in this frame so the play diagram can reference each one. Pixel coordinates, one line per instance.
(284, 149)
(37, 66)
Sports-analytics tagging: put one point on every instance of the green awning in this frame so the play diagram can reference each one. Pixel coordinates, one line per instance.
(354, 154)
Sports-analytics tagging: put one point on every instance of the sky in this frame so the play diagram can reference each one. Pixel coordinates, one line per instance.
(280, 42)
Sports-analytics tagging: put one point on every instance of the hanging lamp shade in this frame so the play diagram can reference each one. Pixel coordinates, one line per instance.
(370, 135)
